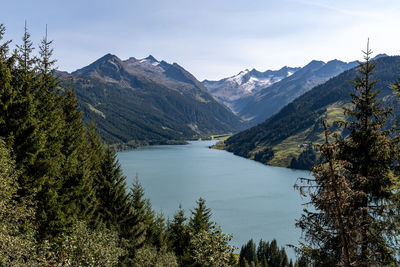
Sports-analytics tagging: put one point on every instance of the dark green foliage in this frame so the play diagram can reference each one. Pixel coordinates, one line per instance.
(27, 129)
(178, 233)
(264, 155)
(248, 254)
(44, 129)
(81, 163)
(306, 159)
(135, 224)
(302, 262)
(200, 219)
(265, 255)
(113, 206)
(199, 222)
(306, 111)
(22, 125)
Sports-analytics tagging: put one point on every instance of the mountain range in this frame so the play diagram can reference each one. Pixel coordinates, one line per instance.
(231, 90)
(256, 96)
(146, 101)
(286, 138)
(135, 102)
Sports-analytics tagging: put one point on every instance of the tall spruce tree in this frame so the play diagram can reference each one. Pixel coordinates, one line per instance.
(178, 234)
(355, 187)
(370, 149)
(200, 219)
(113, 206)
(135, 226)
(7, 92)
(51, 125)
(22, 125)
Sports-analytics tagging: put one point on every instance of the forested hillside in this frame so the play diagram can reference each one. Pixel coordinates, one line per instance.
(287, 138)
(136, 102)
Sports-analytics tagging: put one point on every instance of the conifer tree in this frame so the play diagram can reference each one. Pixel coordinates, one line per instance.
(22, 124)
(157, 231)
(248, 254)
(267, 254)
(77, 196)
(135, 226)
(51, 125)
(354, 189)
(7, 92)
(178, 234)
(370, 150)
(200, 219)
(113, 200)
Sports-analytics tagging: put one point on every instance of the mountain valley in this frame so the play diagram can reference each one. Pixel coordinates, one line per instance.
(145, 101)
(256, 96)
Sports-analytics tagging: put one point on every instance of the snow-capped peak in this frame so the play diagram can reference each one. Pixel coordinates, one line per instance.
(247, 82)
(150, 59)
(238, 78)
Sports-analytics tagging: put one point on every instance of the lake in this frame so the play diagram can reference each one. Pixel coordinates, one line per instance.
(247, 199)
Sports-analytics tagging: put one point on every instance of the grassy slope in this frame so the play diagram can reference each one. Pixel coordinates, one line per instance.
(289, 148)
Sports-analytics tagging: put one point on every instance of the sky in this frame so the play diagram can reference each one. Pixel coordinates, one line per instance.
(212, 39)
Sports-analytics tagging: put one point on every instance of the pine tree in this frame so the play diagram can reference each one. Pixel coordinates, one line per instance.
(81, 149)
(7, 92)
(64, 168)
(51, 124)
(142, 207)
(22, 126)
(113, 201)
(135, 226)
(200, 219)
(369, 149)
(157, 231)
(178, 234)
(248, 254)
(208, 246)
(354, 189)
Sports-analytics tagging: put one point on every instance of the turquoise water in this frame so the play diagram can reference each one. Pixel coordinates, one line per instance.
(248, 199)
